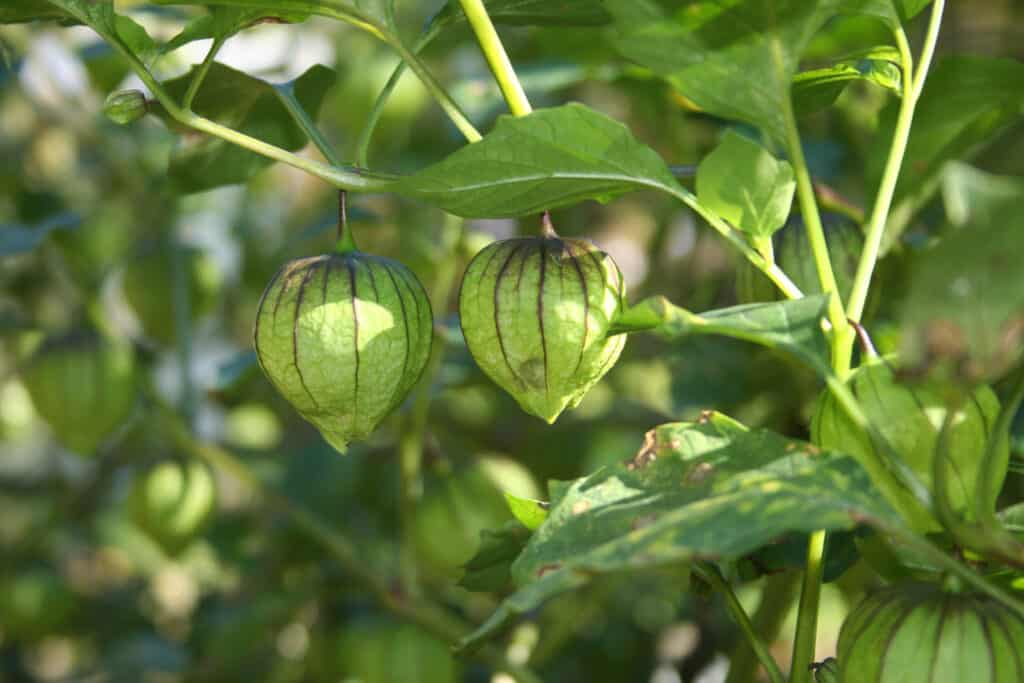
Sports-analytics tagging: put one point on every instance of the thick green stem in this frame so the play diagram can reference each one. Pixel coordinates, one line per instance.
(807, 612)
(497, 58)
(200, 74)
(711, 574)
(913, 83)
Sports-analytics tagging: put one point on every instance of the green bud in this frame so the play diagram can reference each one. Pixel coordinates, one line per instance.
(910, 419)
(344, 337)
(125, 106)
(84, 386)
(536, 311)
(172, 503)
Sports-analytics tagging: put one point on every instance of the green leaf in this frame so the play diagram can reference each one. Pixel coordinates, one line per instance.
(818, 88)
(734, 59)
(974, 197)
(246, 104)
(966, 102)
(964, 316)
(706, 490)
(531, 513)
(892, 12)
(533, 12)
(18, 11)
(373, 14)
(743, 183)
(490, 568)
(550, 158)
(793, 326)
(223, 22)
(118, 30)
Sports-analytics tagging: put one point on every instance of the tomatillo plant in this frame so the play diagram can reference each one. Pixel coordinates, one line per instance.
(838, 452)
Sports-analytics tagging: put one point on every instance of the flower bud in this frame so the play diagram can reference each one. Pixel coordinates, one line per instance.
(536, 312)
(125, 106)
(344, 337)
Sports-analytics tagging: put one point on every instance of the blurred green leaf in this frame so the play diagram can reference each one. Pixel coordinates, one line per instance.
(246, 104)
(965, 103)
(534, 12)
(18, 11)
(743, 183)
(964, 315)
(223, 22)
(489, 570)
(705, 490)
(732, 59)
(793, 326)
(550, 158)
(892, 12)
(373, 13)
(974, 197)
(531, 513)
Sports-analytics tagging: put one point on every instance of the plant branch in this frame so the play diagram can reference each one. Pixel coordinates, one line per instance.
(200, 75)
(776, 597)
(711, 574)
(450, 107)
(497, 58)
(997, 437)
(807, 612)
(308, 125)
(912, 85)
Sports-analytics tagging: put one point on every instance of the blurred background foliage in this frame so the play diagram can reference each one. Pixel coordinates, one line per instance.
(124, 558)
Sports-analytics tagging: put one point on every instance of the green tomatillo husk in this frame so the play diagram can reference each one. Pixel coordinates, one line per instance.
(536, 311)
(344, 337)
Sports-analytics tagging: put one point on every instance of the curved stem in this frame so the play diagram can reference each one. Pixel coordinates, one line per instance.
(913, 83)
(776, 597)
(450, 107)
(200, 74)
(307, 124)
(373, 118)
(497, 58)
(711, 574)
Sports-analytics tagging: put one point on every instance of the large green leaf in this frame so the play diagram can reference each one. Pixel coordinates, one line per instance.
(964, 316)
(734, 58)
(793, 326)
(816, 89)
(550, 158)
(892, 12)
(744, 184)
(246, 104)
(965, 103)
(705, 490)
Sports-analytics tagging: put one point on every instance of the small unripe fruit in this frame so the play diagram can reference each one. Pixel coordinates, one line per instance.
(344, 337)
(172, 503)
(148, 284)
(910, 419)
(84, 386)
(917, 632)
(125, 106)
(536, 311)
